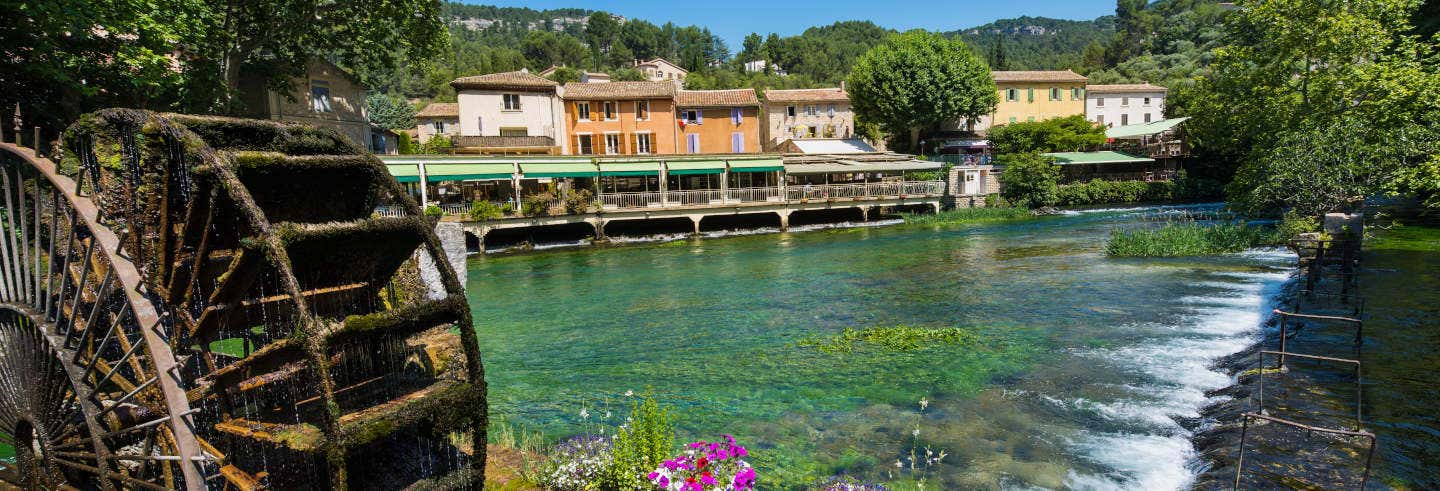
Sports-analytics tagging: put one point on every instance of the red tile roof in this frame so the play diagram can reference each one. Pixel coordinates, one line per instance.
(833, 94)
(520, 80)
(630, 90)
(717, 98)
(1038, 76)
(1121, 88)
(440, 110)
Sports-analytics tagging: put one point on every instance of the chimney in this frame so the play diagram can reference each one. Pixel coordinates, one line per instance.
(524, 70)
(842, 85)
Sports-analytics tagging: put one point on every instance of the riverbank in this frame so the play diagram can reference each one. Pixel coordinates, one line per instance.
(1399, 283)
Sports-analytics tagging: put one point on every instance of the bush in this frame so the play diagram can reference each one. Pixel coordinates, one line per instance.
(968, 215)
(433, 211)
(639, 447)
(1029, 180)
(537, 204)
(1293, 224)
(1189, 239)
(486, 210)
(1099, 192)
(579, 201)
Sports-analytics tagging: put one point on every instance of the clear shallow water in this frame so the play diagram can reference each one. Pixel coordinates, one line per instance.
(1085, 369)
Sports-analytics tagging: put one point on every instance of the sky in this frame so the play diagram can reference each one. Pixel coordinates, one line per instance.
(733, 19)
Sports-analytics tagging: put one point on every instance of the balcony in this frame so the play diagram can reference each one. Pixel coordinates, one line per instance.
(772, 194)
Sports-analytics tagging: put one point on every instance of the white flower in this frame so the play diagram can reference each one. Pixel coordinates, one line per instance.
(898, 464)
(607, 414)
(916, 432)
(629, 393)
(924, 403)
(584, 414)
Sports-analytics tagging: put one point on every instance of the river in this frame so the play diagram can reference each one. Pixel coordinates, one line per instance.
(1088, 372)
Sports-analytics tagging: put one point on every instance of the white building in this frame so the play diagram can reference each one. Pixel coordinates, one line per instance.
(437, 119)
(660, 69)
(1124, 104)
(510, 109)
(758, 66)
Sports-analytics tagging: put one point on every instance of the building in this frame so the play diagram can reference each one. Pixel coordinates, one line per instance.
(327, 97)
(807, 113)
(510, 112)
(660, 69)
(1125, 104)
(437, 119)
(827, 146)
(758, 66)
(620, 118)
(718, 121)
(1035, 96)
(594, 77)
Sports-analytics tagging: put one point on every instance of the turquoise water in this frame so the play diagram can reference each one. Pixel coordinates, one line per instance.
(1087, 371)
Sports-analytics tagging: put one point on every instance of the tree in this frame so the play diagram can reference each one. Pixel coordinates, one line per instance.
(750, 49)
(1094, 56)
(1030, 180)
(1274, 89)
(390, 111)
(546, 48)
(771, 51)
(1065, 134)
(600, 31)
(627, 74)
(997, 52)
(565, 75)
(919, 80)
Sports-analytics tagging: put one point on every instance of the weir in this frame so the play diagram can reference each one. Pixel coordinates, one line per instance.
(200, 302)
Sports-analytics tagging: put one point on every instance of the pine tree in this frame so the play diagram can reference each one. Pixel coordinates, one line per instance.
(997, 52)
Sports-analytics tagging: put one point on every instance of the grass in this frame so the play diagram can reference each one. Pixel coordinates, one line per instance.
(968, 215)
(889, 338)
(1178, 239)
(1413, 238)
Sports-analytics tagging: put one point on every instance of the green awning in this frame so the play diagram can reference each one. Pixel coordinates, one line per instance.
(1105, 157)
(468, 172)
(823, 168)
(1135, 131)
(404, 172)
(757, 165)
(894, 166)
(629, 168)
(692, 167)
(558, 169)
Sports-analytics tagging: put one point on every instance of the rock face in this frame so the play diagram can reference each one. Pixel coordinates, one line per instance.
(452, 243)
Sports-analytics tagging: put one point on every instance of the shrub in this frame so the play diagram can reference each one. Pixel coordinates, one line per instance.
(1100, 192)
(1292, 224)
(1029, 180)
(706, 465)
(639, 447)
(1189, 239)
(537, 204)
(433, 211)
(579, 201)
(486, 210)
(576, 463)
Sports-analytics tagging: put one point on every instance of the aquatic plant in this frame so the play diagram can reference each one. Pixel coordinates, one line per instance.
(889, 338)
(1177, 239)
(968, 215)
(706, 466)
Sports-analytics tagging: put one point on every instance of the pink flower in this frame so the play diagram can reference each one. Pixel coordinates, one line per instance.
(707, 479)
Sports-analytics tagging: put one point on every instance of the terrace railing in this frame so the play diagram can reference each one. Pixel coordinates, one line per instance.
(770, 194)
(697, 197)
(619, 201)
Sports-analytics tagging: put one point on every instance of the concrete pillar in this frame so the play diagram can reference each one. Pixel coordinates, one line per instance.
(696, 220)
(452, 248)
(865, 213)
(599, 225)
(784, 219)
(424, 199)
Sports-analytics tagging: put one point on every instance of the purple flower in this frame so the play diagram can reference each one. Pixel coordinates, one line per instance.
(652, 476)
(707, 479)
(697, 444)
(664, 482)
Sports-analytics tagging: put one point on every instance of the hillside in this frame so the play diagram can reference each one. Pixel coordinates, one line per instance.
(1039, 43)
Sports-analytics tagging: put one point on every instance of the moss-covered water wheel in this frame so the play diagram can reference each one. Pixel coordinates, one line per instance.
(305, 353)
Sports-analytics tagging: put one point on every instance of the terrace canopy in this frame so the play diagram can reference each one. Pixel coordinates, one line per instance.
(693, 167)
(851, 166)
(757, 165)
(651, 168)
(1137, 131)
(441, 172)
(1104, 157)
(404, 172)
(558, 169)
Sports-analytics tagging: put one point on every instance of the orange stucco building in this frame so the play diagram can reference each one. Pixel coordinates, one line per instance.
(718, 121)
(621, 118)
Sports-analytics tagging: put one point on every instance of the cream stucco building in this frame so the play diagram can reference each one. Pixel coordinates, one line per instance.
(806, 113)
(1033, 96)
(510, 110)
(1125, 104)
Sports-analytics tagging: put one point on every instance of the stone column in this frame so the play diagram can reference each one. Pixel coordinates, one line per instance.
(452, 246)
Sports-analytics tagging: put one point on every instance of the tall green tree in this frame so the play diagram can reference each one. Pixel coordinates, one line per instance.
(390, 111)
(750, 48)
(918, 80)
(997, 53)
(1296, 73)
(600, 31)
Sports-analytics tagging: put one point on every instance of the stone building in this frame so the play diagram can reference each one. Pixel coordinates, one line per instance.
(806, 113)
(326, 96)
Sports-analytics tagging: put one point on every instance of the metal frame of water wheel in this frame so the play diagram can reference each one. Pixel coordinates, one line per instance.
(53, 309)
(192, 454)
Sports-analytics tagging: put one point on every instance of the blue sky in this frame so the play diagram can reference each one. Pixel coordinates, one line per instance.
(733, 19)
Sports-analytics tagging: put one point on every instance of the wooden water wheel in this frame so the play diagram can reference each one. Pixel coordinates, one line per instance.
(200, 302)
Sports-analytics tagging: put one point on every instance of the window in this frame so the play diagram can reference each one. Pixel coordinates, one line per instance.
(1030, 119)
(1012, 95)
(611, 110)
(1054, 93)
(642, 143)
(660, 73)
(1147, 117)
(586, 144)
(736, 115)
(1076, 93)
(480, 125)
(831, 110)
(1100, 118)
(512, 102)
(1012, 119)
(439, 127)
(812, 110)
(612, 143)
(1124, 101)
(1124, 119)
(811, 131)
(692, 116)
(692, 142)
(642, 110)
(790, 111)
(1147, 101)
(582, 110)
(737, 142)
(1029, 95)
(320, 96)
(516, 131)
(1099, 102)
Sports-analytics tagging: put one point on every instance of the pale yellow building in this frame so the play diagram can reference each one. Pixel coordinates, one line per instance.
(1035, 96)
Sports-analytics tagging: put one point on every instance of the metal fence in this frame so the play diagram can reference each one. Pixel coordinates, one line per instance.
(619, 201)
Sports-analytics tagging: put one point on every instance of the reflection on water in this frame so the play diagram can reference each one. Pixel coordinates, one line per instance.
(1086, 369)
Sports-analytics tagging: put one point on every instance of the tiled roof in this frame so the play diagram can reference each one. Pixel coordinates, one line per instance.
(1038, 76)
(505, 80)
(619, 91)
(717, 98)
(440, 110)
(807, 95)
(1119, 88)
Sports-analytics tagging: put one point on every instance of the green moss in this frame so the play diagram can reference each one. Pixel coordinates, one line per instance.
(303, 436)
(969, 215)
(890, 338)
(1406, 238)
(1178, 239)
